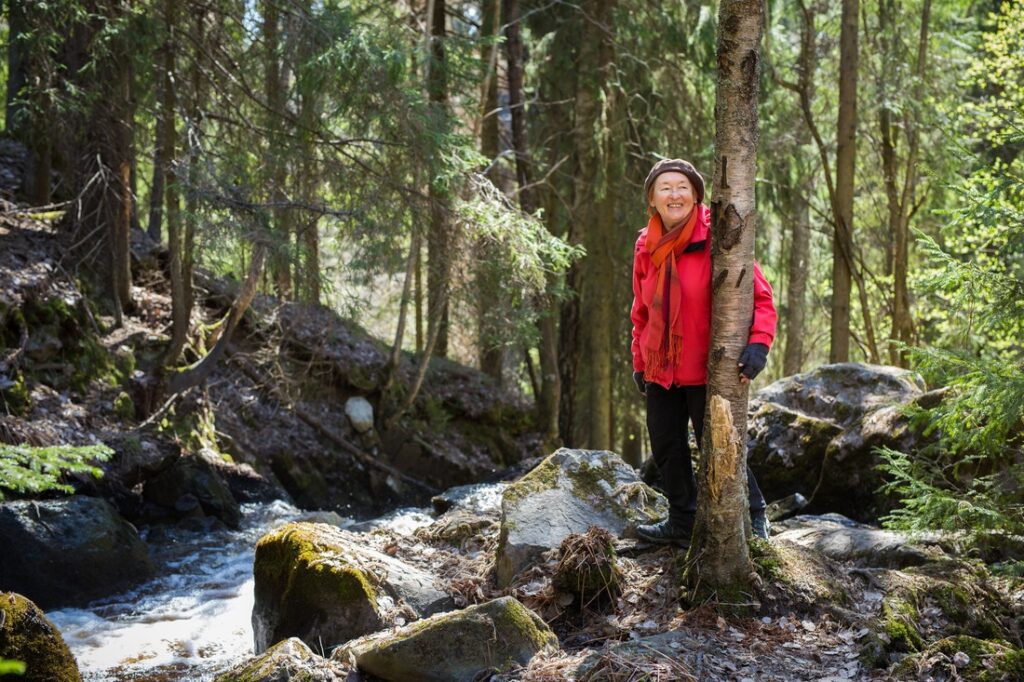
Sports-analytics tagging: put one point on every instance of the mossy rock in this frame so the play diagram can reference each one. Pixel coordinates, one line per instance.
(314, 581)
(568, 492)
(966, 658)
(287, 661)
(27, 635)
(459, 646)
(962, 595)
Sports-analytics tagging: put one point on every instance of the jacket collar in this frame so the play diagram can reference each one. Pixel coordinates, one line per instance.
(699, 240)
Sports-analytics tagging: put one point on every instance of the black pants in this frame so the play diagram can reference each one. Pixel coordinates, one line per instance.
(668, 412)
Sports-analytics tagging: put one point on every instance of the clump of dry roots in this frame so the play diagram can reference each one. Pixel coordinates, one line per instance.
(587, 568)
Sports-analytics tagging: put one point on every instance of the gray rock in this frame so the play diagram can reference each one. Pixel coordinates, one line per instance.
(460, 646)
(319, 583)
(567, 493)
(69, 551)
(815, 434)
(842, 539)
(193, 475)
(287, 661)
(360, 412)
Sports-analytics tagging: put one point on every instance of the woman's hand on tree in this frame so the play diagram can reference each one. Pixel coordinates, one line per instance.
(752, 360)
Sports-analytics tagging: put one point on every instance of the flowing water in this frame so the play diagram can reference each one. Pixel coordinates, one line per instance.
(192, 621)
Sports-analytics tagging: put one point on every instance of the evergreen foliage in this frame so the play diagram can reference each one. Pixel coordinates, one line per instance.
(26, 469)
(970, 477)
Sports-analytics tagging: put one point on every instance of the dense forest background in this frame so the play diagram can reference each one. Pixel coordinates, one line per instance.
(465, 180)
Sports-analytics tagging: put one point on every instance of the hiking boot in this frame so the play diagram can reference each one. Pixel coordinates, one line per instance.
(669, 531)
(759, 525)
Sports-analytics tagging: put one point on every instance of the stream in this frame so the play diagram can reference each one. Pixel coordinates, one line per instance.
(192, 621)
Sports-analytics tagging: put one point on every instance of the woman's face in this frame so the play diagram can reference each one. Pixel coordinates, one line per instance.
(672, 197)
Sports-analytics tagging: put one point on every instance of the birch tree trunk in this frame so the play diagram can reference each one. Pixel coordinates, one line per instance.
(718, 565)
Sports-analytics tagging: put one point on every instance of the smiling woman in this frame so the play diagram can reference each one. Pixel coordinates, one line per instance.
(671, 317)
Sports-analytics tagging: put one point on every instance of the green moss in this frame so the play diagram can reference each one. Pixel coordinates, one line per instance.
(124, 407)
(514, 617)
(898, 622)
(17, 398)
(767, 560)
(544, 476)
(586, 480)
(27, 635)
(990, 661)
(295, 563)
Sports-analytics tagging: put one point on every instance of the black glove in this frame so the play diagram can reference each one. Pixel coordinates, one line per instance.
(753, 359)
(641, 385)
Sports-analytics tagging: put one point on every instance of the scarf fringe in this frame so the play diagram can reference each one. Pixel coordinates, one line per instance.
(657, 360)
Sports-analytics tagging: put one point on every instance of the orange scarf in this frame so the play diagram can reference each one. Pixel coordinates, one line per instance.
(664, 343)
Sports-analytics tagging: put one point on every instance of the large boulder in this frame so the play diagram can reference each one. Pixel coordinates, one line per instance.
(460, 646)
(319, 583)
(287, 661)
(568, 492)
(815, 434)
(192, 486)
(69, 551)
(27, 635)
(844, 540)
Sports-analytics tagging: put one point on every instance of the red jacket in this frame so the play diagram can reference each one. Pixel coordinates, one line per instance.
(694, 266)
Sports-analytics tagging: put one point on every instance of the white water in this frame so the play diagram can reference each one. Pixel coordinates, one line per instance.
(193, 620)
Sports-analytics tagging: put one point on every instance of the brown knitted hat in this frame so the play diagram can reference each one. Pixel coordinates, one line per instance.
(679, 166)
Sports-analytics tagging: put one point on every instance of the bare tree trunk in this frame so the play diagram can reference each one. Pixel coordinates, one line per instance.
(490, 354)
(719, 562)
(549, 380)
(99, 224)
(181, 311)
(156, 188)
(439, 238)
(846, 153)
(201, 371)
(395, 359)
(902, 320)
(280, 265)
(595, 212)
(796, 292)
